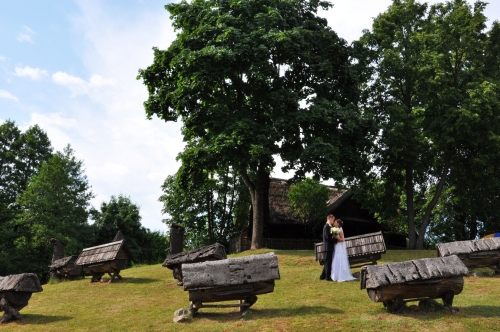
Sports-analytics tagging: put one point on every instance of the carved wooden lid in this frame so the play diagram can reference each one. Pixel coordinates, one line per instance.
(373, 276)
(467, 247)
(24, 282)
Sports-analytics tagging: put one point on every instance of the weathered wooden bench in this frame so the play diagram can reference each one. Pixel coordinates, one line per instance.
(230, 279)
(108, 258)
(360, 249)
(15, 292)
(474, 253)
(394, 284)
(212, 252)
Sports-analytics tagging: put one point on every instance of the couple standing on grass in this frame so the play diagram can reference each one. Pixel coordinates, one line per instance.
(336, 266)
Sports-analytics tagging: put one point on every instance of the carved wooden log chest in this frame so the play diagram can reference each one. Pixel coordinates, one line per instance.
(15, 292)
(428, 278)
(360, 249)
(230, 279)
(474, 253)
(108, 258)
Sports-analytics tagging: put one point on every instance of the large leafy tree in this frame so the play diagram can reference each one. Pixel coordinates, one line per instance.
(214, 208)
(255, 79)
(54, 205)
(308, 199)
(21, 154)
(436, 108)
(121, 214)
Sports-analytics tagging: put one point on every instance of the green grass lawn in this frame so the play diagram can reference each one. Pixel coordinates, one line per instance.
(148, 297)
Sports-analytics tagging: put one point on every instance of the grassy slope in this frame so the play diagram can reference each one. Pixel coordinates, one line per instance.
(148, 297)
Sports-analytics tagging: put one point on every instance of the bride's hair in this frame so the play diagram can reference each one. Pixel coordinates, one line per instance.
(341, 223)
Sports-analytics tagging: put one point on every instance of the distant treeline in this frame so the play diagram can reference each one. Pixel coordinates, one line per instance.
(46, 194)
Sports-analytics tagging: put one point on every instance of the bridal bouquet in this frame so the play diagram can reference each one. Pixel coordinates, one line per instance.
(334, 231)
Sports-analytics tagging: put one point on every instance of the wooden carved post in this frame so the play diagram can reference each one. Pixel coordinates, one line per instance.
(176, 239)
(57, 254)
(176, 246)
(58, 249)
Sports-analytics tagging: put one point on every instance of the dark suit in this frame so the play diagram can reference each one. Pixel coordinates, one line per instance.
(328, 248)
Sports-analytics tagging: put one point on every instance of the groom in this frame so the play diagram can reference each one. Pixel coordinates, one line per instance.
(328, 248)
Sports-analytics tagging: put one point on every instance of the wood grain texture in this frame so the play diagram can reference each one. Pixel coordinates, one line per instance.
(374, 276)
(231, 272)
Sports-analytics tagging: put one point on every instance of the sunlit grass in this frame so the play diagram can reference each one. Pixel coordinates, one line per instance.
(148, 297)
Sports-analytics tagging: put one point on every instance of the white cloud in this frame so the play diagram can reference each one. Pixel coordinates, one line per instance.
(7, 95)
(2, 58)
(32, 73)
(78, 86)
(26, 35)
(60, 129)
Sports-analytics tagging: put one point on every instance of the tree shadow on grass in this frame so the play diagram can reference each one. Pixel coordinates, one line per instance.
(34, 319)
(230, 314)
(483, 311)
(127, 280)
(479, 311)
(133, 280)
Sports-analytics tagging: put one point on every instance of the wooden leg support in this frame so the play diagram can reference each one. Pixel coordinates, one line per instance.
(249, 301)
(396, 305)
(448, 301)
(10, 312)
(193, 307)
(114, 274)
(96, 277)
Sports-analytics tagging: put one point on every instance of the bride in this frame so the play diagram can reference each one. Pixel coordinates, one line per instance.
(341, 270)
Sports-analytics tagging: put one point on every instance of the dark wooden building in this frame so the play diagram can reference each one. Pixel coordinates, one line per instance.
(283, 229)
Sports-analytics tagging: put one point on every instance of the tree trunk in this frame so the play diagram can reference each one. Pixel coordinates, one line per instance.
(432, 204)
(257, 192)
(409, 206)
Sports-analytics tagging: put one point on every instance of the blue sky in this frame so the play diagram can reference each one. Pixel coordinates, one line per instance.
(71, 67)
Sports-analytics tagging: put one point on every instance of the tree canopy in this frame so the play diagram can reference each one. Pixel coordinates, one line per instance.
(308, 199)
(55, 204)
(256, 79)
(121, 214)
(211, 209)
(436, 102)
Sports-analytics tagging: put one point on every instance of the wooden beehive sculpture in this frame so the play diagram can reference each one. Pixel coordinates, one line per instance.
(394, 284)
(15, 292)
(230, 279)
(174, 262)
(360, 249)
(474, 253)
(63, 267)
(108, 258)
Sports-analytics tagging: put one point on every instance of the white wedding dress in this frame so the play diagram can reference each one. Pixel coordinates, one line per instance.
(341, 270)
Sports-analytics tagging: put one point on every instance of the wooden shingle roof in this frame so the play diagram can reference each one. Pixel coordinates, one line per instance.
(361, 245)
(373, 276)
(280, 209)
(62, 262)
(103, 253)
(24, 282)
(468, 247)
